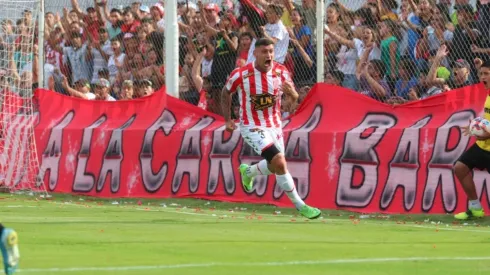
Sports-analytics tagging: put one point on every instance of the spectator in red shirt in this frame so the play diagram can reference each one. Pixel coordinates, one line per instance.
(93, 19)
(243, 48)
(130, 23)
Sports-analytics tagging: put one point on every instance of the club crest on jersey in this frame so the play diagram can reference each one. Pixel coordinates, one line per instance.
(247, 75)
(263, 101)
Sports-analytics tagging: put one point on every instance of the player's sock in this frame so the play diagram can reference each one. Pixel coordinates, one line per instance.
(286, 182)
(474, 205)
(259, 168)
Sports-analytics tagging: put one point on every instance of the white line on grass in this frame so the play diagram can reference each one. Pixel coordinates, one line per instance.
(243, 214)
(448, 228)
(287, 263)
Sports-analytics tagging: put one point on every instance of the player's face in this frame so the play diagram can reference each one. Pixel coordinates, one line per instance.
(485, 77)
(264, 56)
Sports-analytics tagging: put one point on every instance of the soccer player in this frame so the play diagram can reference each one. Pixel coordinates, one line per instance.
(477, 156)
(10, 249)
(260, 86)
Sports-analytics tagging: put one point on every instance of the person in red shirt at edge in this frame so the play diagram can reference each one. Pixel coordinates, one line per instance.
(93, 18)
(260, 86)
(477, 156)
(130, 23)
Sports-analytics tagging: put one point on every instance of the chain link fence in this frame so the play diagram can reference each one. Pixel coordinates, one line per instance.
(391, 51)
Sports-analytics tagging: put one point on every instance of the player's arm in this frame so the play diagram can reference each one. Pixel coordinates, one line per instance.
(230, 87)
(291, 95)
(226, 103)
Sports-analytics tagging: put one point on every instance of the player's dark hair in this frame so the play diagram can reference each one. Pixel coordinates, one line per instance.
(486, 64)
(264, 42)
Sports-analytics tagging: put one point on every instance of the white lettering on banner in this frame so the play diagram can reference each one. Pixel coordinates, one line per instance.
(220, 161)
(359, 154)
(84, 182)
(404, 167)
(189, 157)
(151, 181)
(50, 160)
(113, 157)
(440, 167)
(297, 153)
(482, 182)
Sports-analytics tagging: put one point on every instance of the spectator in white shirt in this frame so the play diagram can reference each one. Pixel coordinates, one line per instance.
(276, 31)
(100, 52)
(81, 89)
(101, 88)
(116, 60)
(157, 13)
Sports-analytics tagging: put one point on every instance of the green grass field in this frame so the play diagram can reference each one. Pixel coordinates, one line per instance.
(73, 235)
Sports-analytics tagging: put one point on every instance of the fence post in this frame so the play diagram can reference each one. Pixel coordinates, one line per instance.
(320, 19)
(171, 49)
(40, 45)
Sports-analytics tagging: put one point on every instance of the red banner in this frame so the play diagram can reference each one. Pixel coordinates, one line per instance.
(343, 149)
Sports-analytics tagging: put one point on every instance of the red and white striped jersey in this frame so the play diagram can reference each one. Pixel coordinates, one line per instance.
(259, 94)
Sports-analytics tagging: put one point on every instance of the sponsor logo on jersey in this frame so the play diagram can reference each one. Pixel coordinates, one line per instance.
(263, 101)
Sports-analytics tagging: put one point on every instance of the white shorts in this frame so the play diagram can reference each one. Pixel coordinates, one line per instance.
(261, 138)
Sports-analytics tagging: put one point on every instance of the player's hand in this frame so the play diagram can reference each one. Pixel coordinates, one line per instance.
(466, 130)
(287, 87)
(230, 126)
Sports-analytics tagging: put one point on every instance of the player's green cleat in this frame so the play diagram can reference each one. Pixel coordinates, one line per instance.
(10, 250)
(310, 212)
(247, 182)
(470, 214)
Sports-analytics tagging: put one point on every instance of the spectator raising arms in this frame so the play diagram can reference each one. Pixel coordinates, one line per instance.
(391, 54)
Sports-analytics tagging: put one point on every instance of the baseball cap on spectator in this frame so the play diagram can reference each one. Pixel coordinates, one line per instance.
(145, 8)
(82, 83)
(464, 7)
(101, 82)
(143, 83)
(127, 83)
(212, 7)
(191, 5)
(186, 4)
(460, 64)
(159, 8)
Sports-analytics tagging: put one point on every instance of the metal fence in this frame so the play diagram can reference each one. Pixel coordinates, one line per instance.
(391, 51)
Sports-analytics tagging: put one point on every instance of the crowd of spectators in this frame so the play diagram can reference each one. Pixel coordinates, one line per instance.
(392, 53)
